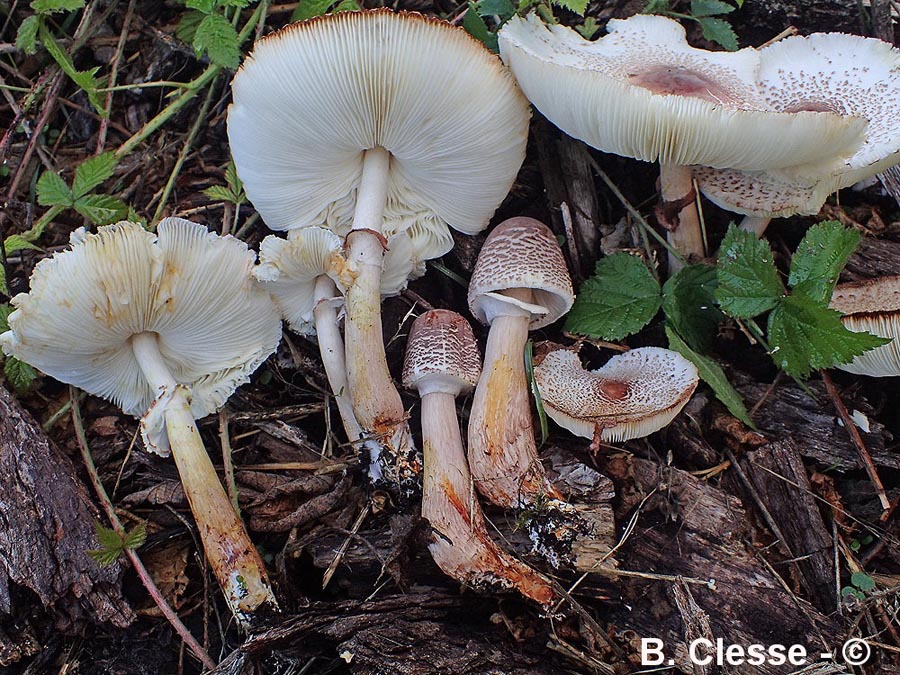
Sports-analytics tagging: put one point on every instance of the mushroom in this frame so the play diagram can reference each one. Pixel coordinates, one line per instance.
(520, 282)
(390, 113)
(641, 91)
(841, 74)
(631, 396)
(873, 306)
(166, 326)
(442, 362)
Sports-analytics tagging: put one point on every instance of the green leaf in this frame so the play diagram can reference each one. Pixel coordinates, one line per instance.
(5, 311)
(218, 38)
(748, 282)
(712, 373)
(205, 6)
(700, 8)
(346, 6)
(620, 299)
(92, 172)
(502, 8)
(577, 6)
(110, 545)
(533, 386)
(136, 537)
(4, 289)
(720, 32)
(805, 336)
(26, 37)
(101, 209)
(83, 78)
(19, 374)
(819, 259)
(307, 9)
(219, 193)
(50, 6)
(16, 242)
(690, 306)
(240, 4)
(862, 581)
(589, 28)
(187, 25)
(477, 28)
(657, 7)
(53, 191)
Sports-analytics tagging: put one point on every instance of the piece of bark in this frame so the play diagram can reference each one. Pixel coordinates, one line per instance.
(47, 527)
(875, 257)
(790, 413)
(781, 482)
(692, 529)
(417, 634)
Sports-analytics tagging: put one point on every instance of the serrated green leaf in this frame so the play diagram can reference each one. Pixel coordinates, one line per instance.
(5, 311)
(620, 299)
(4, 289)
(110, 545)
(219, 193)
(26, 36)
(16, 242)
(805, 336)
(819, 259)
(101, 209)
(19, 374)
(712, 373)
(657, 7)
(307, 9)
(53, 191)
(86, 79)
(92, 172)
(748, 283)
(50, 6)
(232, 179)
(502, 8)
(346, 6)
(862, 581)
(719, 31)
(477, 28)
(701, 8)
(136, 537)
(577, 6)
(589, 28)
(240, 4)
(218, 38)
(205, 6)
(690, 306)
(187, 26)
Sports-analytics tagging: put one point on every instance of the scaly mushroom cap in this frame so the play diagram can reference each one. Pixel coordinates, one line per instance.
(191, 287)
(831, 72)
(521, 253)
(872, 306)
(315, 95)
(633, 395)
(641, 91)
(441, 354)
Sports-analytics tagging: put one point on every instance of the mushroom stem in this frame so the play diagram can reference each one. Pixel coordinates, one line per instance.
(461, 546)
(755, 224)
(234, 560)
(376, 401)
(502, 452)
(676, 184)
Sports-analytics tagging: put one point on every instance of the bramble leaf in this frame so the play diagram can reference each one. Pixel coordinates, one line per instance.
(700, 8)
(748, 283)
(219, 193)
(307, 9)
(690, 306)
(712, 373)
(218, 38)
(136, 537)
(51, 6)
(53, 191)
(819, 259)
(805, 336)
(719, 31)
(101, 209)
(16, 242)
(577, 6)
(26, 37)
(477, 28)
(502, 8)
(92, 172)
(19, 374)
(187, 25)
(205, 6)
(620, 299)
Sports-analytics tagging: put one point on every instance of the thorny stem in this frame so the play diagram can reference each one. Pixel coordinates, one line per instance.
(136, 562)
(676, 184)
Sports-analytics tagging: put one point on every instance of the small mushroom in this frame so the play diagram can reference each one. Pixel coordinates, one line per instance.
(631, 396)
(392, 115)
(166, 326)
(442, 362)
(641, 91)
(520, 282)
(846, 75)
(873, 306)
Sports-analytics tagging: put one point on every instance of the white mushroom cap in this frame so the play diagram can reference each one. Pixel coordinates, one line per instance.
(631, 396)
(643, 92)
(314, 96)
(521, 253)
(873, 306)
(441, 354)
(833, 72)
(191, 287)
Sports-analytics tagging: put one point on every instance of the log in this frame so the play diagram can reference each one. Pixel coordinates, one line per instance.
(47, 527)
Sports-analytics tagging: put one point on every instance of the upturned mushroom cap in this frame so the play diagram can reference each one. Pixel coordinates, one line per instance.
(641, 91)
(314, 96)
(521, 253)
(633, 395)
(832, 72)
(872, 306)
(189, 286)
(441, 354)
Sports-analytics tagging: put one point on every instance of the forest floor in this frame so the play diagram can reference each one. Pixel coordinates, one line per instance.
(755, 537)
